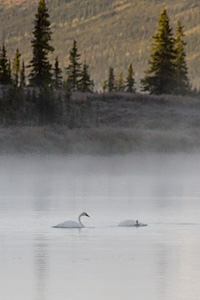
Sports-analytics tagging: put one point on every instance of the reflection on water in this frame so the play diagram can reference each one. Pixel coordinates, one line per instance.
(41, 265)
(101, 261)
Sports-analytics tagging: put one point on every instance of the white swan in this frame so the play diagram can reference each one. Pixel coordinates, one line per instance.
(72, 224)
(131, 223)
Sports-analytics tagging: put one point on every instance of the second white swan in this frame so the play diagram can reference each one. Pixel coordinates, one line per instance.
(131, 223)
(72, 224)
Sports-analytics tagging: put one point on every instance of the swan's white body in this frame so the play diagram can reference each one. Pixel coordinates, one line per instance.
(131, 223)
(127, 223)
(72, 224)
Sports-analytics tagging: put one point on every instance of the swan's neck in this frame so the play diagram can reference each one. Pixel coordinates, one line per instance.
(79, 219)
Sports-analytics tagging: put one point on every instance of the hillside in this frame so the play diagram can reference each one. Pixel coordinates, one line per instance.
(114, 32)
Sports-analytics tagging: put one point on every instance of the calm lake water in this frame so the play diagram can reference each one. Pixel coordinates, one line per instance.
(101, 261)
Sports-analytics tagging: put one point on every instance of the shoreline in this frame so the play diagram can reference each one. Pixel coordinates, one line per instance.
(127, 123)
(103, 141)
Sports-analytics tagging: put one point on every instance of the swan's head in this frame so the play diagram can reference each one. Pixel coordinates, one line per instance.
(84, 214)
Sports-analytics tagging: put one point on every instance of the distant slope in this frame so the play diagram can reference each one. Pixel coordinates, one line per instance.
(109, 32)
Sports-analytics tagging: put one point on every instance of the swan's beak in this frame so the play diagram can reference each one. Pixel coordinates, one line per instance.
(87, 215)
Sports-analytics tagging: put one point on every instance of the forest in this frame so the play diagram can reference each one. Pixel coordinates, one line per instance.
(45, 95)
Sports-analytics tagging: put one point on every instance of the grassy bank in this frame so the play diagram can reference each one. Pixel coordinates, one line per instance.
(99, 141)
(126, 123)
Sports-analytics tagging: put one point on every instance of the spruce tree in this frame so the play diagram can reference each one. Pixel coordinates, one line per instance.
(111, 80)
(74, 69)
(182, 82)
(46, 106)
(16, 68)
(85, 84)
(5, 70)
(160, 77)
(57, 75)
(130, 81)
(40, 75)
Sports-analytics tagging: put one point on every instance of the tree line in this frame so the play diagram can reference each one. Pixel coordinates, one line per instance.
(44, 75)
(167, 72)
(37, 94)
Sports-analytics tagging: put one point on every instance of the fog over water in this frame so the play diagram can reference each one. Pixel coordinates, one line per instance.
(102, 260)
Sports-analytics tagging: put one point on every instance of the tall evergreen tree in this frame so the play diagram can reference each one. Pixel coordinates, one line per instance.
(16, 67)
(5, 70)
(160, 77)
(130, 81)
(85, 84)
(57, 75)
(40, 75)
(111, 80)
(74, 69)
(182, 82)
